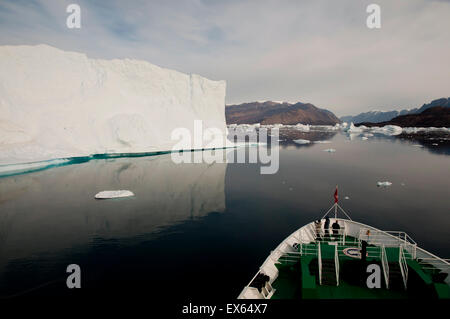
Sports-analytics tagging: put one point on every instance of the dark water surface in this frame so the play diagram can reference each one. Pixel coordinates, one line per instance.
(199, 230)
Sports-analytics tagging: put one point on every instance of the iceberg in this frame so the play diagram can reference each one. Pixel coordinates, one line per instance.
(384, 184)
(387, 130)
(412, 130)
(354, 129)
(330, 150)
(57, 105)
(302, 127)
(322, 142)
(364, 138)
(300, 141)
(113, 194)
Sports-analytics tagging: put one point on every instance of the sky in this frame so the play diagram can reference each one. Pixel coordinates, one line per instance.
(315, 51)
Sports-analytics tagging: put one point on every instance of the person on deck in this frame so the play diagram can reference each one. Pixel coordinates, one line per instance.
(327, 227)
(336, 228)
(363, 250)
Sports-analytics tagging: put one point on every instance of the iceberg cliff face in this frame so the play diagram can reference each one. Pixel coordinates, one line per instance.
(57, 104)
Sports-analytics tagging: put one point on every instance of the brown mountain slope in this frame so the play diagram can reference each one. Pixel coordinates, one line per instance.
(437, 116)
(278, 113)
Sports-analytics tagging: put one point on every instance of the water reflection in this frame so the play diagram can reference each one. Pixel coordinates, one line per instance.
(49, 211)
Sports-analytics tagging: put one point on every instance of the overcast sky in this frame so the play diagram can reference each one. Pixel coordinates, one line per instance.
(310, 51)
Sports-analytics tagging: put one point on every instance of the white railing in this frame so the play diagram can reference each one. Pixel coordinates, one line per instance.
(403, 266)
(435, 264)
(389, 239)
(385, 264)
(319, 258)
(267, 290)
(336, 263)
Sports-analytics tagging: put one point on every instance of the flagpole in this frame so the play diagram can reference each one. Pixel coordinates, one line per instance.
(335, 203)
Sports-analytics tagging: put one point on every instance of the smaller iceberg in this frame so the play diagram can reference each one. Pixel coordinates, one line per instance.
(322, 142)
(384, 184)
(364, 138)
(303, 128)
(354, 129)
(330, 150)
(390, 130)
(300, 141)
(114, 194)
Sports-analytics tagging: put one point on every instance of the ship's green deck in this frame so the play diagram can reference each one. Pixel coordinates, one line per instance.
(298, 277)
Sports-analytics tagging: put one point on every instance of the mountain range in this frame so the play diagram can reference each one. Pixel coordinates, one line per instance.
(436, 116)
(270, 112)
(384, 116)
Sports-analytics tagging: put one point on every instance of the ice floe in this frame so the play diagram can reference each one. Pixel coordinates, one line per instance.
(355, 129)
(384, 184)
(330, 150)
(388, 130)
(322, 142)
(302, 127)
(300, 141)
(114, 194)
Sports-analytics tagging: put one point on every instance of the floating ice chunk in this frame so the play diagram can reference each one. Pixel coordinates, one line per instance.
(364, 138)
(113, 194)
(388, 130)
(346, 197)
(302, 127)
(322, 142)
(435, 144)
(354, 129)
(330, 150)
(300, 141)
(410, 130)
(384, 184)
(417, 145)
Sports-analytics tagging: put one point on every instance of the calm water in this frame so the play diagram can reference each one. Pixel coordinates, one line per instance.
(198, 230)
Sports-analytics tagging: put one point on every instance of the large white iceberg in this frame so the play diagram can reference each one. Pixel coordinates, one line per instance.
(57, 104)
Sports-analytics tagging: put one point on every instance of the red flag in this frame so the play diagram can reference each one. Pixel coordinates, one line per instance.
(336, 195)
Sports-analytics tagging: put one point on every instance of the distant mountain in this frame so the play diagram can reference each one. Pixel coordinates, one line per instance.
(383, 116)
(437, 116)
(373, 116)
(278, 113)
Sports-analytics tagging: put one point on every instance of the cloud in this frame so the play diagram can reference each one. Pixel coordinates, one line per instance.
(315, 51)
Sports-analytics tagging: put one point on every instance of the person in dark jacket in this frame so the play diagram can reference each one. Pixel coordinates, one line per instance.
(363, 250)
(336, 228)
(327, 227)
